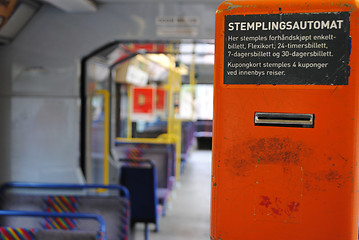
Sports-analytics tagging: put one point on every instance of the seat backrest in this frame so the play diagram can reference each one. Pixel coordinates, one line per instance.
(21, 202)
(114, 209)
(65, 235)
(141, 183)
(160, 155)
(24, 233)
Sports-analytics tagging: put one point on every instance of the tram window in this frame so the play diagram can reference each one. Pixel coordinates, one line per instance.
(204, 101)
(150, 129)
(97, 108)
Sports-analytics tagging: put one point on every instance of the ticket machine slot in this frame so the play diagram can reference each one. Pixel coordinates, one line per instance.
(284, 119)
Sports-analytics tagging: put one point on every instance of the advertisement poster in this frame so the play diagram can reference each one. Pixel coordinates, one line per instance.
(143, 107)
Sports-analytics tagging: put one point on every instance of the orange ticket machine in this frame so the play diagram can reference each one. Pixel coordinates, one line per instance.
(285, 133)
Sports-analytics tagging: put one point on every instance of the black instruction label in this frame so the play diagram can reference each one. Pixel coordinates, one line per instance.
(287, 49)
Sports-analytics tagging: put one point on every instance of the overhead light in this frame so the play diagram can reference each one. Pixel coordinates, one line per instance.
(166, 62)
(74, 6)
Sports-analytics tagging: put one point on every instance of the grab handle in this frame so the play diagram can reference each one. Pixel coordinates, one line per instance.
(284, 119)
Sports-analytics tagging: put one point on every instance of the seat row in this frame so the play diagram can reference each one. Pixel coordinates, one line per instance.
(43, 211)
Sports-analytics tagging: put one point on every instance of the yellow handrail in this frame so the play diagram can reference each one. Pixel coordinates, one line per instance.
(162, 139)
(106, 142)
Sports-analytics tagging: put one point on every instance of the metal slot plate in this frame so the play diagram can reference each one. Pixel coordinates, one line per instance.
(284, 119)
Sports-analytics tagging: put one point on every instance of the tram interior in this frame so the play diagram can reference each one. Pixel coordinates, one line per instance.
(106, 114)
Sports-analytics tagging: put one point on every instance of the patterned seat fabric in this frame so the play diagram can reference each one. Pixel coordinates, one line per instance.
(8, 233)
(60, 204)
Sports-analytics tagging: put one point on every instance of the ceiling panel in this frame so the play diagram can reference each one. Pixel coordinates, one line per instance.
(74, 5)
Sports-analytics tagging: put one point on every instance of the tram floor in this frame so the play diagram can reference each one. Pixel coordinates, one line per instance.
(188, 211)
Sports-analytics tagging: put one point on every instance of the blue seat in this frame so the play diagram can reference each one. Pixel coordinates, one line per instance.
(113, 205)
(163, 156)
(139, 177)
(31, 234)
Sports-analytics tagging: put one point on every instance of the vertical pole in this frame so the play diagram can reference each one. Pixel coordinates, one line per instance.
(146, 231)
(178, 128)
(88, 160)
(170, 81)
(129, 107)
(106, 142)
(192, 80)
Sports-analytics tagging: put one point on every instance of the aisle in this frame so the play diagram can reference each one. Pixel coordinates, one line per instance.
(188, 217)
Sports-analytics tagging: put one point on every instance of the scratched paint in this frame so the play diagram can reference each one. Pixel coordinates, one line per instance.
(279, 179)
(280, 151)
(326, 179)
(275, 165)
(334, 174)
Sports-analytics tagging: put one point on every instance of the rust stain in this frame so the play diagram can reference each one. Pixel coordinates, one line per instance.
(276, 150)
(276, 207)
(333, 176)
(343, 158)
(293, 207)
(265, 201)
(276, 211)
(315, 180)
(351, 6)
(231, 6)
(331, 94)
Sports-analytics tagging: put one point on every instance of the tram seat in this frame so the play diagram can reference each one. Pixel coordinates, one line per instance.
(26, 233)
(140, 178)
(40, 234)
(162, 155)
(203, 134)
(172, 158)
(113, 208)
(188, 129)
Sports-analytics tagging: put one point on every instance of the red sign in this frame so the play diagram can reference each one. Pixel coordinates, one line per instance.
(143, 100)
(160, 99)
